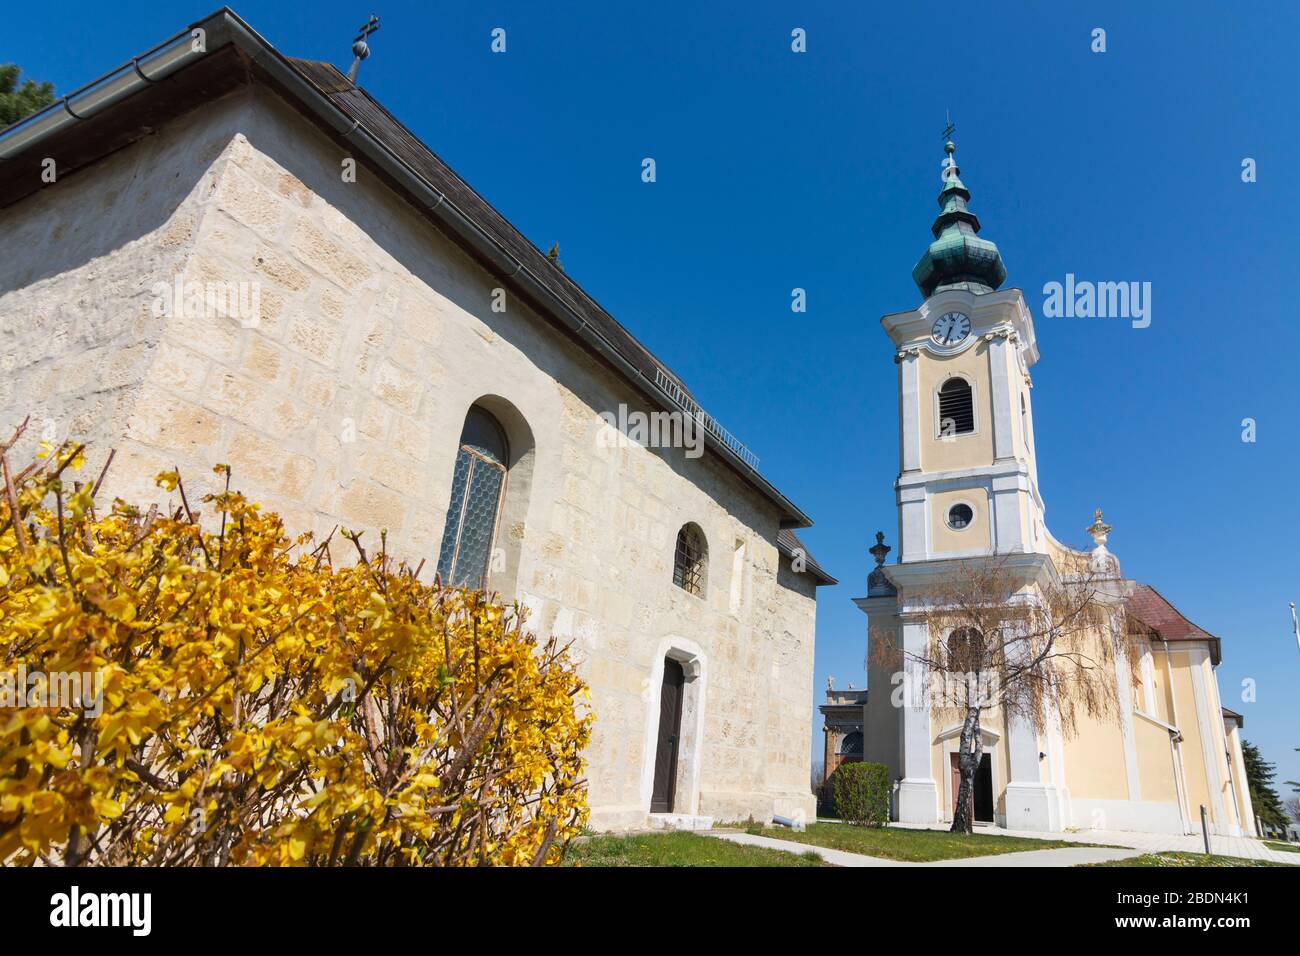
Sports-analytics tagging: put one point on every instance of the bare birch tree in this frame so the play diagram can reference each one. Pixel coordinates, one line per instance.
(1043, 654)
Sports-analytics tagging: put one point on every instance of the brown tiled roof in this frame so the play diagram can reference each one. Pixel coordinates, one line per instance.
(1233, 715)
(360, 105)
(787, 542)
(1153, 614)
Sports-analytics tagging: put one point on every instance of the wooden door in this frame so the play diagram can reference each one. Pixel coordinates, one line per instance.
(984, 791)
(981, 786)
(670, 727)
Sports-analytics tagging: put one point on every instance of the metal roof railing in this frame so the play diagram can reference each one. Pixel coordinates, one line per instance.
(703, 418)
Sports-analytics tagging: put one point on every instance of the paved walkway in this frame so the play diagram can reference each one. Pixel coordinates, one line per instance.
(1063, 856)
(1147, 842)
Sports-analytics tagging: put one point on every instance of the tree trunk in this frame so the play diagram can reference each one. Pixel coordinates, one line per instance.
(968, 761)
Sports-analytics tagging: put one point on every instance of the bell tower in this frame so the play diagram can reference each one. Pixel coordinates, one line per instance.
(967, 489)
(968, 482)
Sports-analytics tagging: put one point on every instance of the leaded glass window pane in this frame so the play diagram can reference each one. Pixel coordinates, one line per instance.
(450, 534)
(478, 521)
(476, 487)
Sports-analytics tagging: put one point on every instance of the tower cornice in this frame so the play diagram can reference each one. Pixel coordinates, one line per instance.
(921, 577)
(992, 314)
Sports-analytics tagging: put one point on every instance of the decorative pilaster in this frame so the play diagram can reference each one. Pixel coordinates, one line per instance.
(1033, 800)
(910, 397)
(1003, 405)
(1124, 692)
(918, 796)
(1008, 531)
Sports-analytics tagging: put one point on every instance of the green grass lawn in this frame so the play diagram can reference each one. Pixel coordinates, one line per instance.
(1284, 847)
(677, 849)
(917, 846)
(1173, 858)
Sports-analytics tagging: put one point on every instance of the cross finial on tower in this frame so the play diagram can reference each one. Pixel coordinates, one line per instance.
(949, 164)
(360, 48)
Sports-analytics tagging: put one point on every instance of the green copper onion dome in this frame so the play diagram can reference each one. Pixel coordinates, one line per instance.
(958, 258)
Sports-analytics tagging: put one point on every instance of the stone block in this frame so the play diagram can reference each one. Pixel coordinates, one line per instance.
(264, 464)
(315, 248)
(397, 387)
(319, 340)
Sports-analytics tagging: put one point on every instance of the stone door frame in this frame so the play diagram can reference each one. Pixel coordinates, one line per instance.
(690, 745)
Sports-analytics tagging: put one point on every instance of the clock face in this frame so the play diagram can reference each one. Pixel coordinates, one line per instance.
(950, 328)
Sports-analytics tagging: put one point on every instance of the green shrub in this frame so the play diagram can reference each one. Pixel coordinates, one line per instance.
(860, 793)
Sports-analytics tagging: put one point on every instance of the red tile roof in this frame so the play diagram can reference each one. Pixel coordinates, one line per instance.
(1233, 715)
(1148, 608)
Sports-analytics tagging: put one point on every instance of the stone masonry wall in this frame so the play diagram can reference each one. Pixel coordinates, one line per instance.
(77, 334)
(342, 403)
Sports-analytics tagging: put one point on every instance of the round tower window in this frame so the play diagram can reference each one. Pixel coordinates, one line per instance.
(959, 516)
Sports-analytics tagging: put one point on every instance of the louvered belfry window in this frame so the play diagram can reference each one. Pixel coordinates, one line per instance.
(476, 489)
(689, 562)
(956, 408)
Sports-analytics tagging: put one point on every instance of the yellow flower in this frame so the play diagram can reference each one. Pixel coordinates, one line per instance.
(261, 706)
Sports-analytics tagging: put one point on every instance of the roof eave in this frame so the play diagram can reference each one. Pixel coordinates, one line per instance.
(225, 27)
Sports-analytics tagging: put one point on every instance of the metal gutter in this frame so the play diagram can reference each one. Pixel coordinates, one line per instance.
(225, 26)
(98, 95)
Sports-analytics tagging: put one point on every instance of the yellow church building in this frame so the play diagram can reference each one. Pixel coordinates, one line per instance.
(968, 492)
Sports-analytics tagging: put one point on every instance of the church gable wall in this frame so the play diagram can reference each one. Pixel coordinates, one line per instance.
(340, 401)
(84, 259)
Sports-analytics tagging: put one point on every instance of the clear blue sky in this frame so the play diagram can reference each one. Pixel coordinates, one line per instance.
(778, 170)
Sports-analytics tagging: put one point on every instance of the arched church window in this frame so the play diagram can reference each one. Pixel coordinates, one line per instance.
(477, 485)
(851, 745)
(956, 407)
(690, 562)
(966, 650)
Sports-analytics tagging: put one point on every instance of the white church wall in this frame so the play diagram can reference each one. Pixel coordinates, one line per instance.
(1142, 816)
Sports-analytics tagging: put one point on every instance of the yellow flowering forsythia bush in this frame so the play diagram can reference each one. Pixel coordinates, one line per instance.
(263, 709)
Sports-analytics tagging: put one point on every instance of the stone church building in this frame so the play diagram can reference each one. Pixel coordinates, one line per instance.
(217, 253)
(968, 492)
